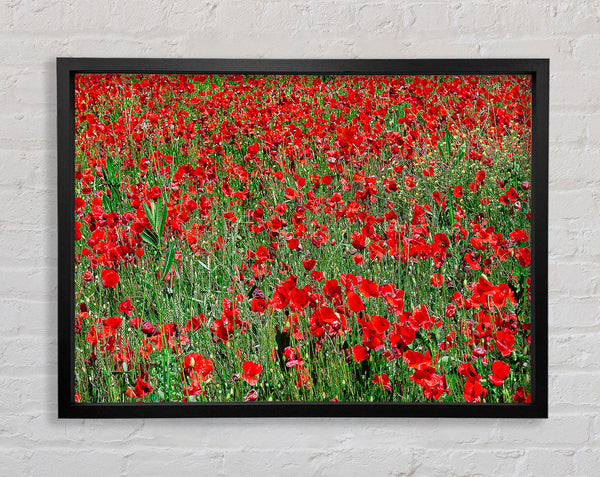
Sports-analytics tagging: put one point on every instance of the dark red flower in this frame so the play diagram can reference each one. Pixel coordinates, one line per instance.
(309, 264)
(521, 395)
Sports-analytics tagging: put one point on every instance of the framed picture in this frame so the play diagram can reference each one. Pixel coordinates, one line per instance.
(302, 238)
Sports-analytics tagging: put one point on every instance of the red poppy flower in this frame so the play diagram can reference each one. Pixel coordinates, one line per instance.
(357, 240)
(281, 208)
(468, 371)
(512, 194)
(112, 322)
(354, 302)
(359, 353)
(222, 330)
(141, 389)
(135, 322)
(379, 324)
(391, 186)
(251, 372)
(299, 297)
(291, 194)
(195, 323)
(472, 261)
(197, 367)
(421, 318)
(79, 204)
(109, 278)
(437, 280)
(500, 372)
(521, 395)
(126, 307)
(505, 343)
(78, 234)
(92, 336)
(450, 310)
(417, 360)
(332, 288)
(323, 316)
(524, 256)
(383, 380)
(519, 235)
(368, 288)
(258, 305)
(303, 379)
(253, 148)
(148, 329)
(309, 264)
(440, 199)
(293, 357)
(458, 191)
(473, 390)
(230, 216)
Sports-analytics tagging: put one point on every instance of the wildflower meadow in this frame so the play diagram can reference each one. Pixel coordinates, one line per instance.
(302, 238)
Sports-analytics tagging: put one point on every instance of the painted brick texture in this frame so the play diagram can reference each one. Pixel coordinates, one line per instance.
(33, 33)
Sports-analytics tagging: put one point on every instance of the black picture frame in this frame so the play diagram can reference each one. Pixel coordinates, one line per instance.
(539, 71)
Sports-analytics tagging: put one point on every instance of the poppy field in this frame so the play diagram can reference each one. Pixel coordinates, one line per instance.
(302, 238)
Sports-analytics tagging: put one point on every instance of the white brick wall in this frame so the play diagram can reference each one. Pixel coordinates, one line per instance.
(34, 32)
